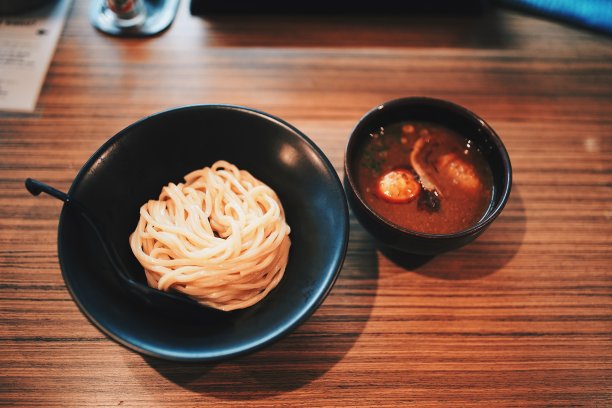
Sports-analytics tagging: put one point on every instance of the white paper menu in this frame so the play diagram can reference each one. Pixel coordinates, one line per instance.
(27, 44)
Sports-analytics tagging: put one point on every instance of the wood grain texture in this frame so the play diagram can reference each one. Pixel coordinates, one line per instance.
(520, 317)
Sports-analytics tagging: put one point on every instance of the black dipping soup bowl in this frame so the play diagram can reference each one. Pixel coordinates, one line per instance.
(443, 113)
(134, 165)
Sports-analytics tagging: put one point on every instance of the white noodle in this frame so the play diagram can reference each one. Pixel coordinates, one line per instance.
(220, 237)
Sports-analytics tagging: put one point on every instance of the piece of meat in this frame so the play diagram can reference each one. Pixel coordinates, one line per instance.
(417, 157)
(460, 172)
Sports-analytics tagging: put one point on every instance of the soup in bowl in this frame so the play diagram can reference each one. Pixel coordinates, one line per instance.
(424, 175)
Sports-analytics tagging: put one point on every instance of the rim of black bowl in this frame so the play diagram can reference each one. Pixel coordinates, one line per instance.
(253, 346)
(490, 215)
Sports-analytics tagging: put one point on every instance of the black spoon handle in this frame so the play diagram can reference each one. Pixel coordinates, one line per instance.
(36, 187)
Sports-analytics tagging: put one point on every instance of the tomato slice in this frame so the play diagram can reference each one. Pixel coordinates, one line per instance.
(398, 186)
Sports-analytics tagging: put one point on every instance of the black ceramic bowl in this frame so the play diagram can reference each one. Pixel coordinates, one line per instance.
(454, 117)
(135, 164)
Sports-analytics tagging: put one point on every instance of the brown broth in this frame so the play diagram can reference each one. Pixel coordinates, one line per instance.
(450, 162)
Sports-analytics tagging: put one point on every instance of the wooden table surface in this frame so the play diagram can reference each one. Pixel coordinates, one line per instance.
(522, 316)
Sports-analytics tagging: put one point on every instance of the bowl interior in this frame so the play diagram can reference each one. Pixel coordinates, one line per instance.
(444, 113)
(133, 166)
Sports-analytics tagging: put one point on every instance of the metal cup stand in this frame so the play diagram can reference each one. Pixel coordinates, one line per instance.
(133, 18)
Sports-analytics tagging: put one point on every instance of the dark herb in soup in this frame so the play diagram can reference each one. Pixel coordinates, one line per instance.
(424, 177)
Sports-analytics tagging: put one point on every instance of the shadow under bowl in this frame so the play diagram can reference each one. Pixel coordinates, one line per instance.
(454, 117)
(134, 165)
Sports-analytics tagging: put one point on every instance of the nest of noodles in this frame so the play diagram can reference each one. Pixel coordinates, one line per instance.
(220, 237)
